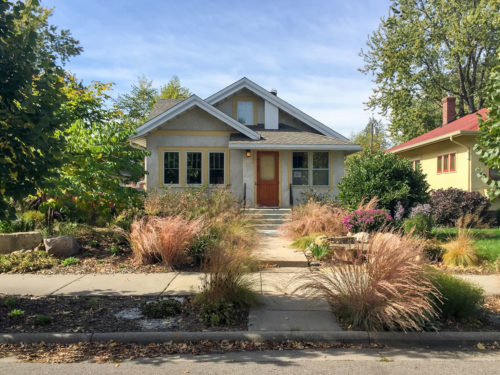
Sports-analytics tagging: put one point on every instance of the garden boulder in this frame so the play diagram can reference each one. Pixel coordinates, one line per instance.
(363, 237)
(61, 246)
(10, 242)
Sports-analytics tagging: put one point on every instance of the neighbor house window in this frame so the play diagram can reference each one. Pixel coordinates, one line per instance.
(320, 168)
(193, 168)
(216, 168)
(245, 112)
(415, 164)
(446, 163)
(300, 168)
(171, 168)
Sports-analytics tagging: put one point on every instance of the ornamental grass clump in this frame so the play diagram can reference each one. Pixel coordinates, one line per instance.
(314, 217)
(461, 252)
(382, 288)
(165, 240)
(371, 220)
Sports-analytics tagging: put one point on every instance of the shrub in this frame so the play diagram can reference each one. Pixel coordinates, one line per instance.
(459, 299)
(382, 288)
(70, 261)
(16, 314)
(165, 240)
(367, 221)
(321, 198)
(35, 217)
(433, 251)
(448, 205)
(303, 243)
(218, 313)
(161, 309)
(419, 226)
(312, 218)
(10, 301)
(125, 219)
(115, 250)
(27, 262)
(43, 319)
(461, 252)
(319, 251)
(386, 176)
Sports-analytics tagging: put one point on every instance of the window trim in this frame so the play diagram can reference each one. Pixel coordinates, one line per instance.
(320, 169)
(178, 169)
(246, 99)
(439, 166)
(454, 162)
(307, 169)
(224, 167)
(415, 163)
(186, 167)
(446, 167)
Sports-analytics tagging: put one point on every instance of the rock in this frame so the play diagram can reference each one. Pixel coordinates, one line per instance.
(10, 242)
(61, 246)
(363, 237)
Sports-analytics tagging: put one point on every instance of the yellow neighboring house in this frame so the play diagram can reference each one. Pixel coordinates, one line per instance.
(446, 154)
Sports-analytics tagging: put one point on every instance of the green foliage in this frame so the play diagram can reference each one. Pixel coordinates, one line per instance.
(459, 299)
(10, 301)
(419, 226)
(386, 176)
(137, 105)
(161, 309)
(26, 262)
(304, 242)
(218, 313)
(32, 76)
(364, 139)
(17, 225)
(36, 217)
(488, 142)
(43, 320)
(115, 250)
(16, 314)
(125, 219)
(319, 251)
(433, 251)
(424, 49)
(70, 261)
(174, 90)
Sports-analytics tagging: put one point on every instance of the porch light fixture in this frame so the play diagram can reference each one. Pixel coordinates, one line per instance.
(248, 153)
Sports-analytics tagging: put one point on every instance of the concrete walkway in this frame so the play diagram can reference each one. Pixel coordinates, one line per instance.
(275, 250)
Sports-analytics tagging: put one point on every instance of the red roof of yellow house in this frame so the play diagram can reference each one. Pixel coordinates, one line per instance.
(466, 123)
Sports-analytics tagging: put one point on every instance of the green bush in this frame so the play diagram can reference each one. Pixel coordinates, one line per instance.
(70, 261)
(319, 251)
(303, 243)
(459, 299)
(386, 176)
(35, 217)
(43, 320)
(27, 262)
(419, 226)
(433, 251)
(17, 225)
(16, 314)
(115, 250)
(125, 219)
(161, 309)
(10, 301)
(218, 313)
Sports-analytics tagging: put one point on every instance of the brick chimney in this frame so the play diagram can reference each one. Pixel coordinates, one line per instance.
(449, 114)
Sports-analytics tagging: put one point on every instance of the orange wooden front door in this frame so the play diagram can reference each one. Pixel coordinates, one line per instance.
(268, 178)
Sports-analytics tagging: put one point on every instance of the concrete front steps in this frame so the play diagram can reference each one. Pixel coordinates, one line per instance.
(268, 219)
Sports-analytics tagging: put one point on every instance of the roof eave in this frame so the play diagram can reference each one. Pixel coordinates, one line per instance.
(274, 146)
(434, 140)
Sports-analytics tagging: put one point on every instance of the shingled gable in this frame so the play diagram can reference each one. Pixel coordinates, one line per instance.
(275, 100)
(183, 106)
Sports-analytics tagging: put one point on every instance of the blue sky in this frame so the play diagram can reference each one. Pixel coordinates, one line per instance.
(307, 50)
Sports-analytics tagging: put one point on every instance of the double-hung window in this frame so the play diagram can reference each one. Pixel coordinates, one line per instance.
(245, 112)
(446, 163)
(171, 168)
(320, 169)
(193, 167)
(300, 168)
(216, 168)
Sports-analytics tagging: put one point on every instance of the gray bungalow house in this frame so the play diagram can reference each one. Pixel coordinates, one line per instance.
(244, 138)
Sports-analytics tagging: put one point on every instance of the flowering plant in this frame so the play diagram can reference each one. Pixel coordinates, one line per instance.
(421, 210)
(367, 220)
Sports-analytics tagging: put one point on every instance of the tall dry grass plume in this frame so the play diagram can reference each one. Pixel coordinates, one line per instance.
(371, 204)
(312, 218)
(166, 240)
(381, 287)
(460, 251)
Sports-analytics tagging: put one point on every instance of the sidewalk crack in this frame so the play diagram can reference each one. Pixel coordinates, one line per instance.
(65, 285)
(170, 282)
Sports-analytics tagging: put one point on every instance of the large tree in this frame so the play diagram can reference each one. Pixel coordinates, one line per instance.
(32, 81)
(427, 49)
(373, 134)
(174, 90)
(137, 104)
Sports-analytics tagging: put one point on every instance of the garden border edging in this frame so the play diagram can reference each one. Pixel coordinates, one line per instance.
(345, 337)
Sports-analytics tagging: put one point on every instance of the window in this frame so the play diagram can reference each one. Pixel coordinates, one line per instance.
(415, 164)
(300, 168)
(171, 168)
(216, 168)
(320, 168)
(193, 168)
(245, 111)
(446, 163)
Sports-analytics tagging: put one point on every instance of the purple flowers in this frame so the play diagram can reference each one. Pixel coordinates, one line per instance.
(367, 220)
(421, 210)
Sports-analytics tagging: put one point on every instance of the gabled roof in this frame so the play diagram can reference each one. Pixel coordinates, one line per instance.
(190, 102)
(163, 105)
(467, 124)
(273, 99)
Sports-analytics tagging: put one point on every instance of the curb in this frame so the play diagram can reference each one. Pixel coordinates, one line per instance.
(345, 337)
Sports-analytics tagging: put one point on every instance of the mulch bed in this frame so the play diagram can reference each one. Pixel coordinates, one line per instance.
(97, 314)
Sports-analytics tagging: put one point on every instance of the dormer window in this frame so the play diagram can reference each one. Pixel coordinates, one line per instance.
(245, 112)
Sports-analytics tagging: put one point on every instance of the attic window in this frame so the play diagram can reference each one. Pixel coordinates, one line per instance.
(245, 112)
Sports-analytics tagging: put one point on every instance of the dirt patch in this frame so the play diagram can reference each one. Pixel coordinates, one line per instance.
(100, 314)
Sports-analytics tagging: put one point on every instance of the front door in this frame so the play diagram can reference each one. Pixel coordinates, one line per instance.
(268, 178)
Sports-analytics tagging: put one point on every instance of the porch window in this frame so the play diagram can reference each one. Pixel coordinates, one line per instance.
(320, 168)
(216, 168)
(171, 168)
(300, 168)
(245, 112)
(193, 168)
